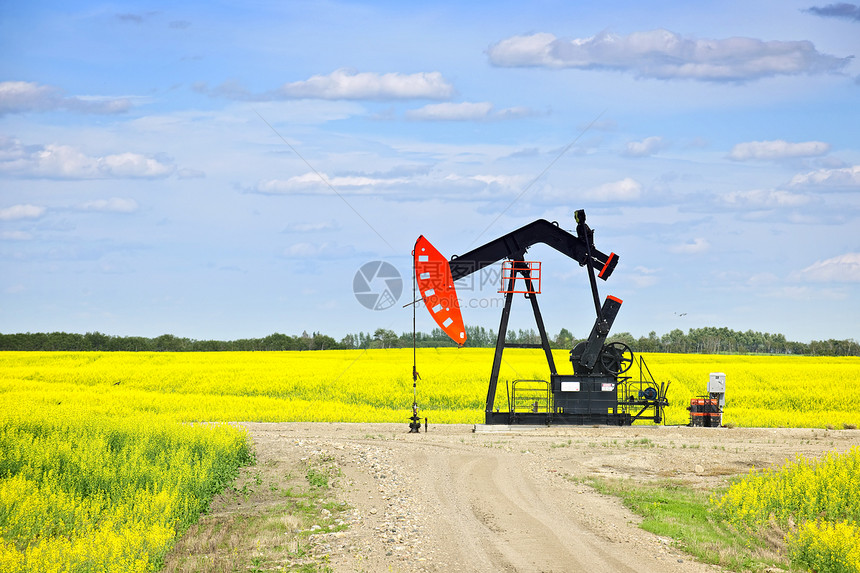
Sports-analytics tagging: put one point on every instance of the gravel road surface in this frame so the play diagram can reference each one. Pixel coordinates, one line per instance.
(498, 498)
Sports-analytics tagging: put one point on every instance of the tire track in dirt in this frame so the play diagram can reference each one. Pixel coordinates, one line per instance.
(498, 519)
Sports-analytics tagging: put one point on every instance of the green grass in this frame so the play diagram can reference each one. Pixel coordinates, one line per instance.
(673, 510)
(268, 521)
(317, 478)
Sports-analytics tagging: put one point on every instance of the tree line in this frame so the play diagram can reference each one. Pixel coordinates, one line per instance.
(96, 341)
(708, 340)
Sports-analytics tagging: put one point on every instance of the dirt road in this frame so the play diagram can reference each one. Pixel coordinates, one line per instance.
(455, 499)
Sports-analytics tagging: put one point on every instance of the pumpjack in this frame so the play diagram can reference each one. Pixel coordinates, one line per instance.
(600, 390)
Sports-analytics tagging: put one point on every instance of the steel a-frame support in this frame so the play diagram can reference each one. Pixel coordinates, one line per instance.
(519, 266)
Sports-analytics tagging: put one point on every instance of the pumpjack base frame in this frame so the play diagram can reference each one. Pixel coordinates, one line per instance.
(558, 419)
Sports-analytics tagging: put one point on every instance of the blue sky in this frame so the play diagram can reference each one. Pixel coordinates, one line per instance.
(223, 170)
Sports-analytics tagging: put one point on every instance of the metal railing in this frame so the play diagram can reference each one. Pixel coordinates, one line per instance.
(531, 396)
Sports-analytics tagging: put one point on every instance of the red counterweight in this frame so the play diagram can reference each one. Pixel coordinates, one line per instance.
(433, 275)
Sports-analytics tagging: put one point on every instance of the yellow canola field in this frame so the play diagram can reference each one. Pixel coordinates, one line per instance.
(81, 491)
(100, 468)
(767, 391)
(821, 496)
(376, 385)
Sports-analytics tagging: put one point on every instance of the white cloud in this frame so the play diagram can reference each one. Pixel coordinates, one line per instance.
(311, 182)
(533, 50)
(777, 149)
(764, 199)
(304, 250)
(503, 180)
(464, 111)
(21, 212)
(644, 148)
(843, 268)
(841, 177)
(698, 245)
(480, 186)
(21, 97)
(310, 227)
(760, 280)
(112, 205)
(132, 165)
(666, 55)
(347, 84)
(66, 162)
(325, 250)
(394, 184)
(626, 189)
(187, 173)
(516, 112)
(643, 277)
(343, 84)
